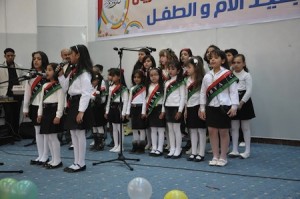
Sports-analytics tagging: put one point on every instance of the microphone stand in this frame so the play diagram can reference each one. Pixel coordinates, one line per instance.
(120, 157)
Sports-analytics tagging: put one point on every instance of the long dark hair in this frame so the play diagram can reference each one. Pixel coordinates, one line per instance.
(222, 55)
(141, 74)
(189, 51)
(243, 59)
(54, 66)
(160, 81)
(45, 61)
(84, 61)
(179, 68)
(119, 73)
(197, 62)
(211, 46)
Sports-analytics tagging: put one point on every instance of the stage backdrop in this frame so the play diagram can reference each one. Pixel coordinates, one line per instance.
(125, 18)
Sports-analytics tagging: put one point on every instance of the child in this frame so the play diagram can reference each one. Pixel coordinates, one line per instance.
(153, 110)
(218, 103)
(148, 63)
(98, 103)
(116, 105)
(50, 111)
(79, 116)
(136, 100)
(166, 56)
(32, 99)
(141, 54)
(245, 109)
(207, 56)
(174, 101)
(230, 54)
(109, 127)
(184, 56)
(196, 126)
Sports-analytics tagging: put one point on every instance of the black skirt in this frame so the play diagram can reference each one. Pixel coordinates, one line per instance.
(193, 121)
(98, 115)
(153, 118)
(70, 121)
(247, 110)
(49, 113)
(217, 118)
(136, 120)
(114, 114)
(33, 114)
(170, 114)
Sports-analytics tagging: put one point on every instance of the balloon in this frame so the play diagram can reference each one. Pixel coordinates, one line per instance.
(175, 194)
(24, 189)
(6, 185)
(139, 188)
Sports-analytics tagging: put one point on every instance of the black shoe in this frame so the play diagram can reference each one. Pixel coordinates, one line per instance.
(54, 167)
(71, 147)
(68, 169)
(77, 170)
(158, 153)
(176, 156)
(199, 158)
(191, 158)
(168, 156)
(34, 162)
(42, 163)
(111, 144)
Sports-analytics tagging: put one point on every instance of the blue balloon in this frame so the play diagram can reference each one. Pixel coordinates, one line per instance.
(24, 189)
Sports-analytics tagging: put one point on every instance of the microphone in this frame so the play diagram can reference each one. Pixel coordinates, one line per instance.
(116, 49)
(60, 67)
(151, 49)
(33, 74)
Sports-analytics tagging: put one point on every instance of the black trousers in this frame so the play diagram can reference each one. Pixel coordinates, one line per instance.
(12, 115)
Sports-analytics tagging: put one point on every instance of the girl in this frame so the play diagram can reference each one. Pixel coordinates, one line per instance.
(174, 100)
(230, 54)
(98, 102)
(153, 110)
(79, 116)
(116, 105)
(32, 99)
(207, 56)
(196, 126)
(141, 54)
(50, 111)
(218, 103)
(166, 56)
(184, 56)
(148, 64)
(136, 100)
(245, 109)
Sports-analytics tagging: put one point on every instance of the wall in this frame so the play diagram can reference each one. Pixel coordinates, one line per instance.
(270, 50)
(18, 28)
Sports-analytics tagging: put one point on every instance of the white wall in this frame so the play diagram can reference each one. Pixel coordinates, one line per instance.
(271, 52)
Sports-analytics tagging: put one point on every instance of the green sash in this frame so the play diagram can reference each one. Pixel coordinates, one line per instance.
(138, 89)
(74, 75)
(117, 92)
(36, 87)
(154, 98)
(50, 89)
(192, 90)
(173, 86)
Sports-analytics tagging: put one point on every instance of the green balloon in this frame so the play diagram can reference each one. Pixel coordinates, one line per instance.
(24, 189)
(6, 185)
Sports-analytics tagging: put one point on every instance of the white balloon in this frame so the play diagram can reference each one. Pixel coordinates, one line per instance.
(139, 188)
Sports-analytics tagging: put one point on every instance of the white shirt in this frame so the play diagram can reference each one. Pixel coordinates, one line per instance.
(118, 99)
(103, 89)
(160, 102)
(227, 97)
(56, 97)
(27, 96)
(177, 97)
(244, 84)
(195, 98)
(140, 99)
(81, 86)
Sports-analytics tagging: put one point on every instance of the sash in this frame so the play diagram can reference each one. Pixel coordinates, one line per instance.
(50, 89)
(137, 90)
(192, 90)
(153, 99)
(68, 70)
(118, 91)
(74, 74)
(36, 87)
(220, 85)
(172, 87)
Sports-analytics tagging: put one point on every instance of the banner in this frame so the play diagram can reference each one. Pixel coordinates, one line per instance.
(126, 18)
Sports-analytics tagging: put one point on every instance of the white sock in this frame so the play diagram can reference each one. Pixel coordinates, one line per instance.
(81, 146)
(39, 138)
(247, 134)
(154, 138)
(51, 151)
(148, 135)
(167, 135)
(194, 140)
(161, 137)
(100, 129)
(142, 134)
(55, 145)
(235, 125)
(75, 145)
(135, 135)
(95, 130)
(202, 141)
(178, 138)
(115, 133)
(171, 138)
(46, 149)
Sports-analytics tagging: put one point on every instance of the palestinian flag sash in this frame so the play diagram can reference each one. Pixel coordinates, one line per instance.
(172, 87)
(36, 87)
(220, 85)
(192, 90)
(138, 89)
(68, 70)
(117, 92)
(74, 74)
(154, 98)
(50, 89)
